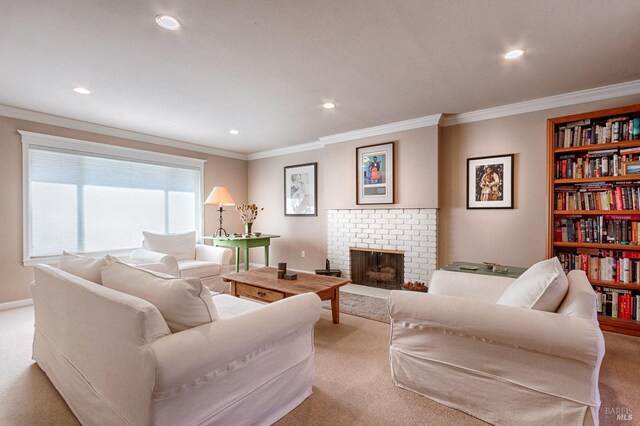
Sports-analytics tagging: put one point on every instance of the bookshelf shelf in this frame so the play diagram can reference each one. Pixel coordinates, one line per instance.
(598, 179)
(595, 212)
(623, 247)
(598, 147)
(619, 325)
(608, 131)
(615, 284)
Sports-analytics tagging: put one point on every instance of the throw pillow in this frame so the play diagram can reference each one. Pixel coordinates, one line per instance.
(183, 302)
(81, 266)
(541, 287)
(180, 246)
(581, 299)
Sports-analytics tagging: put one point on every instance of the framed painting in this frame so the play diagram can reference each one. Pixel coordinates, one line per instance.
(631, 168)
(490, 182)
(301, 190)
(374, 168)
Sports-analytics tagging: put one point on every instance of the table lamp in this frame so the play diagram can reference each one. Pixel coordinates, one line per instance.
(220, 197)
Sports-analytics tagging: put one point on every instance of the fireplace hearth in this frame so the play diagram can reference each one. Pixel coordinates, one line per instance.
(377, 268)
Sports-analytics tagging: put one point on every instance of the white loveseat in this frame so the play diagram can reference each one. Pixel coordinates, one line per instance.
(115, 362)
(184, 258)
(503, 364)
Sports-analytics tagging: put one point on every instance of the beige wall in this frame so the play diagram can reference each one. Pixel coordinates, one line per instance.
(509, 237)
(15, 278)
(416, 177)
(416, 170)
(297, 233)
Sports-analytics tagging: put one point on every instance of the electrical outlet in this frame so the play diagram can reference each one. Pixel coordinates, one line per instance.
(302, 253)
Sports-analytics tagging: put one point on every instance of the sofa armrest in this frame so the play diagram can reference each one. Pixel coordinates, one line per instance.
(144, 256)
(568, 337)
(220, 255)
(486, 288)
(216, 347)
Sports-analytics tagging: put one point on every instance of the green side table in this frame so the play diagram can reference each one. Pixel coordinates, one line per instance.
(244, 243)
(512, 271)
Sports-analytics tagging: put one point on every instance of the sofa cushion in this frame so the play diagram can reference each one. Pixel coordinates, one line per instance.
(88, 268)
(580, 300)
(230, 306)
(541, 287)
(198, 268)
(183, 302)
(180, 246)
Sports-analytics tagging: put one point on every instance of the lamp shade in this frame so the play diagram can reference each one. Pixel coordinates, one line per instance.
(220, 197)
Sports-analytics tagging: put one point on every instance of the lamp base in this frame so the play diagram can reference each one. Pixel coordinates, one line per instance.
(220, 232)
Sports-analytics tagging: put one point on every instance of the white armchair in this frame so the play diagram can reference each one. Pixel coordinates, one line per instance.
(502, 364)
(184, 258)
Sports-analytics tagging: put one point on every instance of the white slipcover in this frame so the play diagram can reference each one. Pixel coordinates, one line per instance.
(503, 364)
(184, 258)
(115, 362)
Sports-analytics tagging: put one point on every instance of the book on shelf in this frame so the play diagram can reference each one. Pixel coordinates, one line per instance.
(598, 196)
(592, 132)
(596, 164)
(613, 266)
(618, 303)
(600, 229)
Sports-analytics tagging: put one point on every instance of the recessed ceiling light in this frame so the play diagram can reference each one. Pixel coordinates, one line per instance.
(513, 54)
(329, 105)
(168, 22)
(234, 132)
(81, 90)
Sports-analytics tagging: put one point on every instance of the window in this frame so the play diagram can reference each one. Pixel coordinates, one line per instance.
(85, 197)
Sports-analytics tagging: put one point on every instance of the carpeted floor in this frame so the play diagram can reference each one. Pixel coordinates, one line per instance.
(352, 383)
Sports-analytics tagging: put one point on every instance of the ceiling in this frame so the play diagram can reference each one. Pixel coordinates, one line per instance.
(266, 67)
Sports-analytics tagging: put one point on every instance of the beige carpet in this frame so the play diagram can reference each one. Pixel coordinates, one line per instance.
(352, 385)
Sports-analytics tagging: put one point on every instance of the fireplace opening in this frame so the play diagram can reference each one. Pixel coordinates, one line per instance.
(377, 268)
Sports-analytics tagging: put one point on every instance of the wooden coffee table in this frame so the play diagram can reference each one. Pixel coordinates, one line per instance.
(263, 284)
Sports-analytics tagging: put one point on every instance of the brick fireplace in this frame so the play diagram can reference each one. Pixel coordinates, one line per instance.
(410, 231)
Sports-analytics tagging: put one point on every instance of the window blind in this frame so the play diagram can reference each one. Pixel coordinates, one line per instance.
(83, 202)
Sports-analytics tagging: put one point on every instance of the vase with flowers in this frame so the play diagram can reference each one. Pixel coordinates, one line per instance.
(248, 214)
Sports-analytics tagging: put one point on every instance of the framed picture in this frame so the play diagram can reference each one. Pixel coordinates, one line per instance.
(631, 168)
(490, 182)
(374, 168)
(301, 190)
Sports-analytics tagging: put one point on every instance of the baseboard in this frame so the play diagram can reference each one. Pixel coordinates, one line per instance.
(16, 304)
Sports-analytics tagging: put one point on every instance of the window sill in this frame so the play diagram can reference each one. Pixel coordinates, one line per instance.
(53, 260)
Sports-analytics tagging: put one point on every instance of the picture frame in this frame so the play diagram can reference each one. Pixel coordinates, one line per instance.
(490, 182)
(301, 190)
(375, 174)
(631, 168)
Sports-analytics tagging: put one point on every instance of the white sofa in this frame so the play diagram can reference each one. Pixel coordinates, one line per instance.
(184, 258)
(503, 364)
(115, 362)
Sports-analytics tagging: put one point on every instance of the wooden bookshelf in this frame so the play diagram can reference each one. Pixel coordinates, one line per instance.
(573, 142)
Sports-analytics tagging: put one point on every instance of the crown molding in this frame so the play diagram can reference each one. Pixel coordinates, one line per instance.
(54, 120)
(398, 126)
(556, 101)
(414, 123)
(286, 150)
